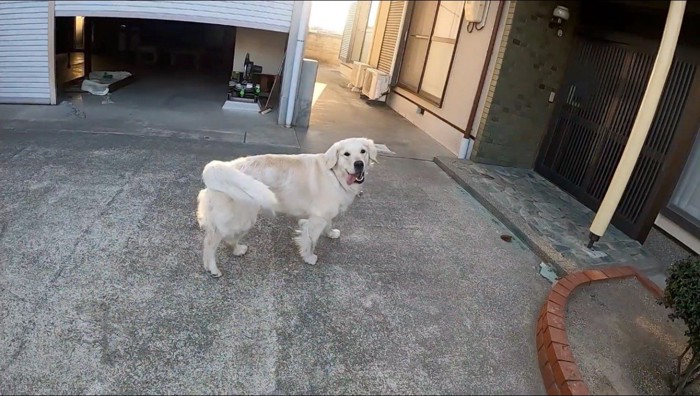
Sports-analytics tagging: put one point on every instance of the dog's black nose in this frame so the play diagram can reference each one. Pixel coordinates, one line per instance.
(359, 165)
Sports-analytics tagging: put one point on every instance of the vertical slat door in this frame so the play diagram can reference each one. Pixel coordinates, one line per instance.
(593, 119)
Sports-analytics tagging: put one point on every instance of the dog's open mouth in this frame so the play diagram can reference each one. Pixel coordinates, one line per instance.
(358, 178)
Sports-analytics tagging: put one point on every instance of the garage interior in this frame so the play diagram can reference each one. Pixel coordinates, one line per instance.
(180, 71)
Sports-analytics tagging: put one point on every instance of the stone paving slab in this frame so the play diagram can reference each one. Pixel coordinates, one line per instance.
(550, 221)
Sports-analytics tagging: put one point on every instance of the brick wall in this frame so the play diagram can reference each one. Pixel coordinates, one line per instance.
(323, 47)
(530, 64)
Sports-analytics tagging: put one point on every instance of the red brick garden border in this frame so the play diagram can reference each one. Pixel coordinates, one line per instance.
(559, 369)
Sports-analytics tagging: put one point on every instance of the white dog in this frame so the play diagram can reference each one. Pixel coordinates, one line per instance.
(314, 188)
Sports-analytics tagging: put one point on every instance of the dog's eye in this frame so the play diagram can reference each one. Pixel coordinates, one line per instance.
(347, 154)
(362, 151)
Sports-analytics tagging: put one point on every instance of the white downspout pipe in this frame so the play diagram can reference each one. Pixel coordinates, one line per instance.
(499, 25)
(640, 129)
(298, 60)
(465, 148)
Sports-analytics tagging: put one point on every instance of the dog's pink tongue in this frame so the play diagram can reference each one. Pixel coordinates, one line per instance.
(351, 179)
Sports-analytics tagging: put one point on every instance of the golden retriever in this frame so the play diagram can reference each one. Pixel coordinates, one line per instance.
(314, 188)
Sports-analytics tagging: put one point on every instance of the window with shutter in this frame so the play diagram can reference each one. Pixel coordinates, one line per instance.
(347, 34)
(356, 43)
(391, 36)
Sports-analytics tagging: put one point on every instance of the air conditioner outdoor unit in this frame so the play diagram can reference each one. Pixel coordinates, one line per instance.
(376, 84)
(357, 77)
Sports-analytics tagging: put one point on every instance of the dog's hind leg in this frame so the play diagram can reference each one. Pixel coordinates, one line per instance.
(310, 231)
(211, 243)
(331, 232)
(238, 249)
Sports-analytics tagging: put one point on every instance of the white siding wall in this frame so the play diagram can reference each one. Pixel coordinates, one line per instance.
(24, 52)
(267, 15)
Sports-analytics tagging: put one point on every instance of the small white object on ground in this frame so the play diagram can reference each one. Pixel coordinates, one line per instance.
(98, 84)
(548, 273)
(246, 106)
(594, 253)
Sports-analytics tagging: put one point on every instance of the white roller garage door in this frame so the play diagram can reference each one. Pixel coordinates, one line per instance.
(24, 52)
(266, 15)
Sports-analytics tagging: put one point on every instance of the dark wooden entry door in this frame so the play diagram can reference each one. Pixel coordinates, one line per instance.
(595, 110)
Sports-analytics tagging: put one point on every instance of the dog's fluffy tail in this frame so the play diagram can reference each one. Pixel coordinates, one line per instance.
(223, 177)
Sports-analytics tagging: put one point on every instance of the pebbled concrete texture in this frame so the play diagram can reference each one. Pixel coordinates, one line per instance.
(622, 339)
(102, 288)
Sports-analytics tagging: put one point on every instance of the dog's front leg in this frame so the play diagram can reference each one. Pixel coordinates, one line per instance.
(331, 232)
(309, 232)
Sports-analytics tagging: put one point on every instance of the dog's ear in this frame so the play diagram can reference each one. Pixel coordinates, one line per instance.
(330, 158)
(372, 151)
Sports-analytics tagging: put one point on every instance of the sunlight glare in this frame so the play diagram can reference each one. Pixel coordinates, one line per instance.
(329, 15)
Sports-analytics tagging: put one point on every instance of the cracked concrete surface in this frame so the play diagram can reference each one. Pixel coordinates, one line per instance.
(102, 288)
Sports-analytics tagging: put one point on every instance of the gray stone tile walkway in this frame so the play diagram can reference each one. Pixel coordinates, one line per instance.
(548, 219)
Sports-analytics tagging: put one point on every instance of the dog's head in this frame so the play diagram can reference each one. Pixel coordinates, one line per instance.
(350, 158)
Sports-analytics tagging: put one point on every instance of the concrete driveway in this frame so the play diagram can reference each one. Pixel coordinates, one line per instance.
(102, 290)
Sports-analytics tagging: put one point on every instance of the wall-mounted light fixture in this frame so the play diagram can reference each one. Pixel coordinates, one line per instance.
(559, 16)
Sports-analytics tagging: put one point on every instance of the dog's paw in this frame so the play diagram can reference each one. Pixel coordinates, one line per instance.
(215, 274)
(311, 259)
(333, 234)
(240, 250)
